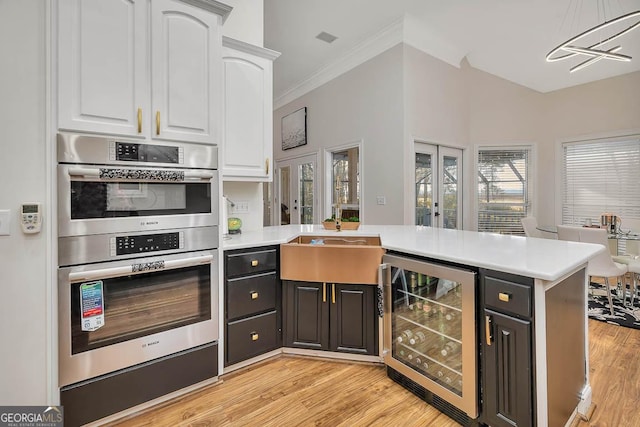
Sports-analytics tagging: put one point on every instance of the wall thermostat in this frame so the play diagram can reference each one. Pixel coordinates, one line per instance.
(31, 217)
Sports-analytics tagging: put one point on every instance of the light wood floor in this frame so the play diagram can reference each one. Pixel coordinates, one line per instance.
(295, 391)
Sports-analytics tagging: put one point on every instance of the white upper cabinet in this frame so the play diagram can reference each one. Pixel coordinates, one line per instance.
(102, 65)
(185, 72)
(248, 111)
(141, 68)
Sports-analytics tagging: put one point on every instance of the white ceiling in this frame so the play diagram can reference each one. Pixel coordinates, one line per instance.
(507, 38)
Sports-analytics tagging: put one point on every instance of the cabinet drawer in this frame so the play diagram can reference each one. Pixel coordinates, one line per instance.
(251, 262)
(251, 337)
(507, 296)
(251, 295)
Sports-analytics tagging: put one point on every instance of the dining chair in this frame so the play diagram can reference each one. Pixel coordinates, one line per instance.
(631, 259)
(529, 224)
(634, 268)
(602, 265)
(569, 232)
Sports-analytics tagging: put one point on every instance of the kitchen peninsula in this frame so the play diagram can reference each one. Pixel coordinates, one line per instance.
(550, 278)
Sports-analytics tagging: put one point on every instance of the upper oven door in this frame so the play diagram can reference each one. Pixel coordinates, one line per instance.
(100, 199)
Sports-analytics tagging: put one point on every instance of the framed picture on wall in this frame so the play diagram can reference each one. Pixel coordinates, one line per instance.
(294, 129)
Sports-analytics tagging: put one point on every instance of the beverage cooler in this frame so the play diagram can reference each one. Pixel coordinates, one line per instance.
(430, 341)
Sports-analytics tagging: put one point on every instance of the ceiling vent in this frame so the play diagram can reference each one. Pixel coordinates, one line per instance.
(326, 37)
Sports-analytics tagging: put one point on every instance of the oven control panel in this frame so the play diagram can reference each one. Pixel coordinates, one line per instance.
(133, 152)
(127, 245)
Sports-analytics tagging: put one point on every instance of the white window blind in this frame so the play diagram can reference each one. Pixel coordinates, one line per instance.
(601, 176)
(505, 189)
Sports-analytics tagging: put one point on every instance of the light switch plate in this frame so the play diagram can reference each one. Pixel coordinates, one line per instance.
(240, 207)
(5, 222)
(381, 200)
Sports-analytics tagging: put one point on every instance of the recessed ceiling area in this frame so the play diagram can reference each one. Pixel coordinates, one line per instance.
(507, 38)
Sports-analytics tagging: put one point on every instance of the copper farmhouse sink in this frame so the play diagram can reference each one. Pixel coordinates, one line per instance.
(352, 259)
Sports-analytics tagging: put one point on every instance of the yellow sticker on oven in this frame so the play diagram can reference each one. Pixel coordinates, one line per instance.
(91, 305)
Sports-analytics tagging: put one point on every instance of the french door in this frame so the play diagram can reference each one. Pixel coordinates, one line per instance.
(296, 191)
(438, 186)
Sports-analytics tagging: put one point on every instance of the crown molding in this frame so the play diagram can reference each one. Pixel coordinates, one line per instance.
(388, 37)
(245, 47)
(212, 6)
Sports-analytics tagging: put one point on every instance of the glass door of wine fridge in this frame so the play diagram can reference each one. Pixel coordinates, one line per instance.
(430, 330)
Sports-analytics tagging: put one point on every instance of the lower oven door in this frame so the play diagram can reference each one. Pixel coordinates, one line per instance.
(118, 314)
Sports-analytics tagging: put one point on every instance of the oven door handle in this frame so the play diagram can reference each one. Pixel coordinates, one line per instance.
(138, 268)
(94, 173)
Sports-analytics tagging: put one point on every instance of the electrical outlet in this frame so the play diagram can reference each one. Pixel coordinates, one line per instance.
(240, 207)
(381, 200)
(5, 222)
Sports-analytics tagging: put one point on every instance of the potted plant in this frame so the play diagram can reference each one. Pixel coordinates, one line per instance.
(351, 223)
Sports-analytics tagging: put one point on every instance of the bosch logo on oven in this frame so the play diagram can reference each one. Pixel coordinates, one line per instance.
(149, 344)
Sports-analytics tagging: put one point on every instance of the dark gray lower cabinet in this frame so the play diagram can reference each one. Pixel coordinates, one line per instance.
(330, 316)
(507, 350)
(252, 303)
(507, 391)
(306, 315)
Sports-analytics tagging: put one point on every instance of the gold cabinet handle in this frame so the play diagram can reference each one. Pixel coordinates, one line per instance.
(254, 336)
(324, 292)
(157, 122)
(487, 329)
(503, 296)
(333, 293)
(139, 120)
(254, 263)
(266, 165)
(254, 295)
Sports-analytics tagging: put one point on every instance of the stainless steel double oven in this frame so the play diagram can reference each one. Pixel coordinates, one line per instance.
(138, 239)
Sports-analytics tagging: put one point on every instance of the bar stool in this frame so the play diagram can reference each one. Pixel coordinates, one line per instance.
(634, 269)
(632, 260)
(602, 265)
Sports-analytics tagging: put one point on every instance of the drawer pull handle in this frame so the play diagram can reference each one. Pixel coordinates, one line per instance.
(254, 295)
(254, 336)
(254, 263)
(503, 296)
(324, 292)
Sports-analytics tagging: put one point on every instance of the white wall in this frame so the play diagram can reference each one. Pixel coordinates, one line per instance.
(250, 192)
(24, 270)
(245, 22)
(504, 113)
(364, 104)
(462, 107)
(605, 108)
(436, 111)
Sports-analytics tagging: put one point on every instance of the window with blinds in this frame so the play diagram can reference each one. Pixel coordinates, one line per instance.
(505, 189)
(601, 176)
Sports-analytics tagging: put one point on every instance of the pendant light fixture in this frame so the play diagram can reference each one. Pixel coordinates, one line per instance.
(596, 43)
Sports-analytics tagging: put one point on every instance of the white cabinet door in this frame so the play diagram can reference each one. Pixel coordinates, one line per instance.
(185, 72)
(248, 111)
(102, 65)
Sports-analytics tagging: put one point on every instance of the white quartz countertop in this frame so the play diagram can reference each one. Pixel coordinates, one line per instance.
(544, 259)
